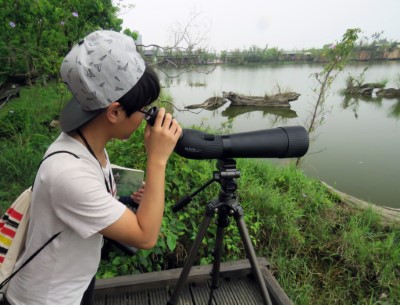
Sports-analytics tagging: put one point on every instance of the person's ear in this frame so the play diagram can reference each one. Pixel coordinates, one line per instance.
(114, 112)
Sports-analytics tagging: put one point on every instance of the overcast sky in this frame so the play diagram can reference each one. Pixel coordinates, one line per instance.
(286, 24)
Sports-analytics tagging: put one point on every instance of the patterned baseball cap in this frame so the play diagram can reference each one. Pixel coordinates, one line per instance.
(99, 70)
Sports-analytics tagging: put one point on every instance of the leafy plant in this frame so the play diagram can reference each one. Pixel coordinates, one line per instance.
(337, 56)
(356, 81)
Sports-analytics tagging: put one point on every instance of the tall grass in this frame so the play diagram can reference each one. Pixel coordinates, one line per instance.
(322, 252)
(25, 133)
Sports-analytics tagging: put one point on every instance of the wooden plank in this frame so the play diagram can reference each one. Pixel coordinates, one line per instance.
(113, 299)
(100, 299)
(199, 292)
(169, 277)
(241, 291)
(159, 296)
(278, 296)
(245, 291)
(137, 298)
(160, 285)
(224, 296)
(185, 298)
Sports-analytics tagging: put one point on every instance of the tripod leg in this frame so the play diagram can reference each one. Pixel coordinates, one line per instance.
(219, 244)
(190, 259)
(253, 259)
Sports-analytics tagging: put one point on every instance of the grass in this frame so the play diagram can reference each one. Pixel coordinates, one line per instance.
(321, 251)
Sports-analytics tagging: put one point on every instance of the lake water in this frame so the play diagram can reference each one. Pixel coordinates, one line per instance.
(357, 147)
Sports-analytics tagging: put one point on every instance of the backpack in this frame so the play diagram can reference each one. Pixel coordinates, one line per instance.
(13, 229)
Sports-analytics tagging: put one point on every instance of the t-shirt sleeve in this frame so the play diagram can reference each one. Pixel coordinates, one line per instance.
(80, 199)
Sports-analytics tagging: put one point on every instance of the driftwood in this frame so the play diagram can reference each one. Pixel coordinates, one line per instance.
(211, 104)
(388, 215)
(276, 100)
(388, 93)
(363, 90)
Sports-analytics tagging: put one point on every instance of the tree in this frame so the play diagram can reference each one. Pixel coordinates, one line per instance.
(35, 35)
(337, 56)
(186, 49)
(133, 34)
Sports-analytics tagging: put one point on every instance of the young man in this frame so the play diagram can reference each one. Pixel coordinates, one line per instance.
(75, 195)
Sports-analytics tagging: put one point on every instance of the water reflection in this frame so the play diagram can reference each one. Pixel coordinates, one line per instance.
(234, 111)
(395, 110)
(353, 103)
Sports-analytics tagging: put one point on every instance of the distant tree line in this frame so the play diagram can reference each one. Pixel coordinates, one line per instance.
(376, 47)
(363, 50)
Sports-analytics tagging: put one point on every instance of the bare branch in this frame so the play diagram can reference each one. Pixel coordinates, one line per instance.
(190, 35)
(178, 109)
(185, 70)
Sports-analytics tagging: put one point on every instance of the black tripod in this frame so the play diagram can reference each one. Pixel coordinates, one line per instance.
(225, 206)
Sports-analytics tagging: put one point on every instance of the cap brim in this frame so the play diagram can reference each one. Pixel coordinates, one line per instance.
(73, 116)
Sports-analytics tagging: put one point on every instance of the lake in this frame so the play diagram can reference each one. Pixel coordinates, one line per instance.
(356, 149)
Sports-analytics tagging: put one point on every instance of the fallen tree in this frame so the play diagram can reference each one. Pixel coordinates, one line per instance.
(363, 90)
(388, 93)
(276, 100)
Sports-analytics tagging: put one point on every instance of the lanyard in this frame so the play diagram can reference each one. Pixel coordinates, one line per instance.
(109, 188)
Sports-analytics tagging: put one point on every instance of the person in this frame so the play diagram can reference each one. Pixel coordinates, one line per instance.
(111, 86)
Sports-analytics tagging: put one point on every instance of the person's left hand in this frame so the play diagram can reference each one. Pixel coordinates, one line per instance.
(138, 195)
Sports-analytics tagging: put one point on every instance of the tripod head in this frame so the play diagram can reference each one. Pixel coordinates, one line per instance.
(225, 176)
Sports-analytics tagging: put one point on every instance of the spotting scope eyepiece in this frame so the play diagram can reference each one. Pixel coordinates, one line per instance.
(281, 142)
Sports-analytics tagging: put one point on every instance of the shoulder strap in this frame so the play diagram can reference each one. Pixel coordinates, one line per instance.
(54, 153)
(2, 284)
(28, 260)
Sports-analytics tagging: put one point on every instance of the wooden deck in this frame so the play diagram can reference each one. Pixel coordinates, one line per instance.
(237, 287)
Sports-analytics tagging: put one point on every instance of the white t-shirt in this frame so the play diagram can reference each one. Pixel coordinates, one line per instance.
(70, 197)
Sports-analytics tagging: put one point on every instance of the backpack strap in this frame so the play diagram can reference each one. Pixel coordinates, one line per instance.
(28, 260)
(2, 284)
(54, 153)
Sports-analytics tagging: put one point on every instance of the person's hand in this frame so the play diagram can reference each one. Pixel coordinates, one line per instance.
(138, 195)
(160, 139)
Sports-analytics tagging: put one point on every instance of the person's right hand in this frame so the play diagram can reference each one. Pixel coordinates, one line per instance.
(142, 229)
(160, 139)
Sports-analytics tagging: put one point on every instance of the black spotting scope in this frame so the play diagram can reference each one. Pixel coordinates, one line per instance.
(281, 142)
